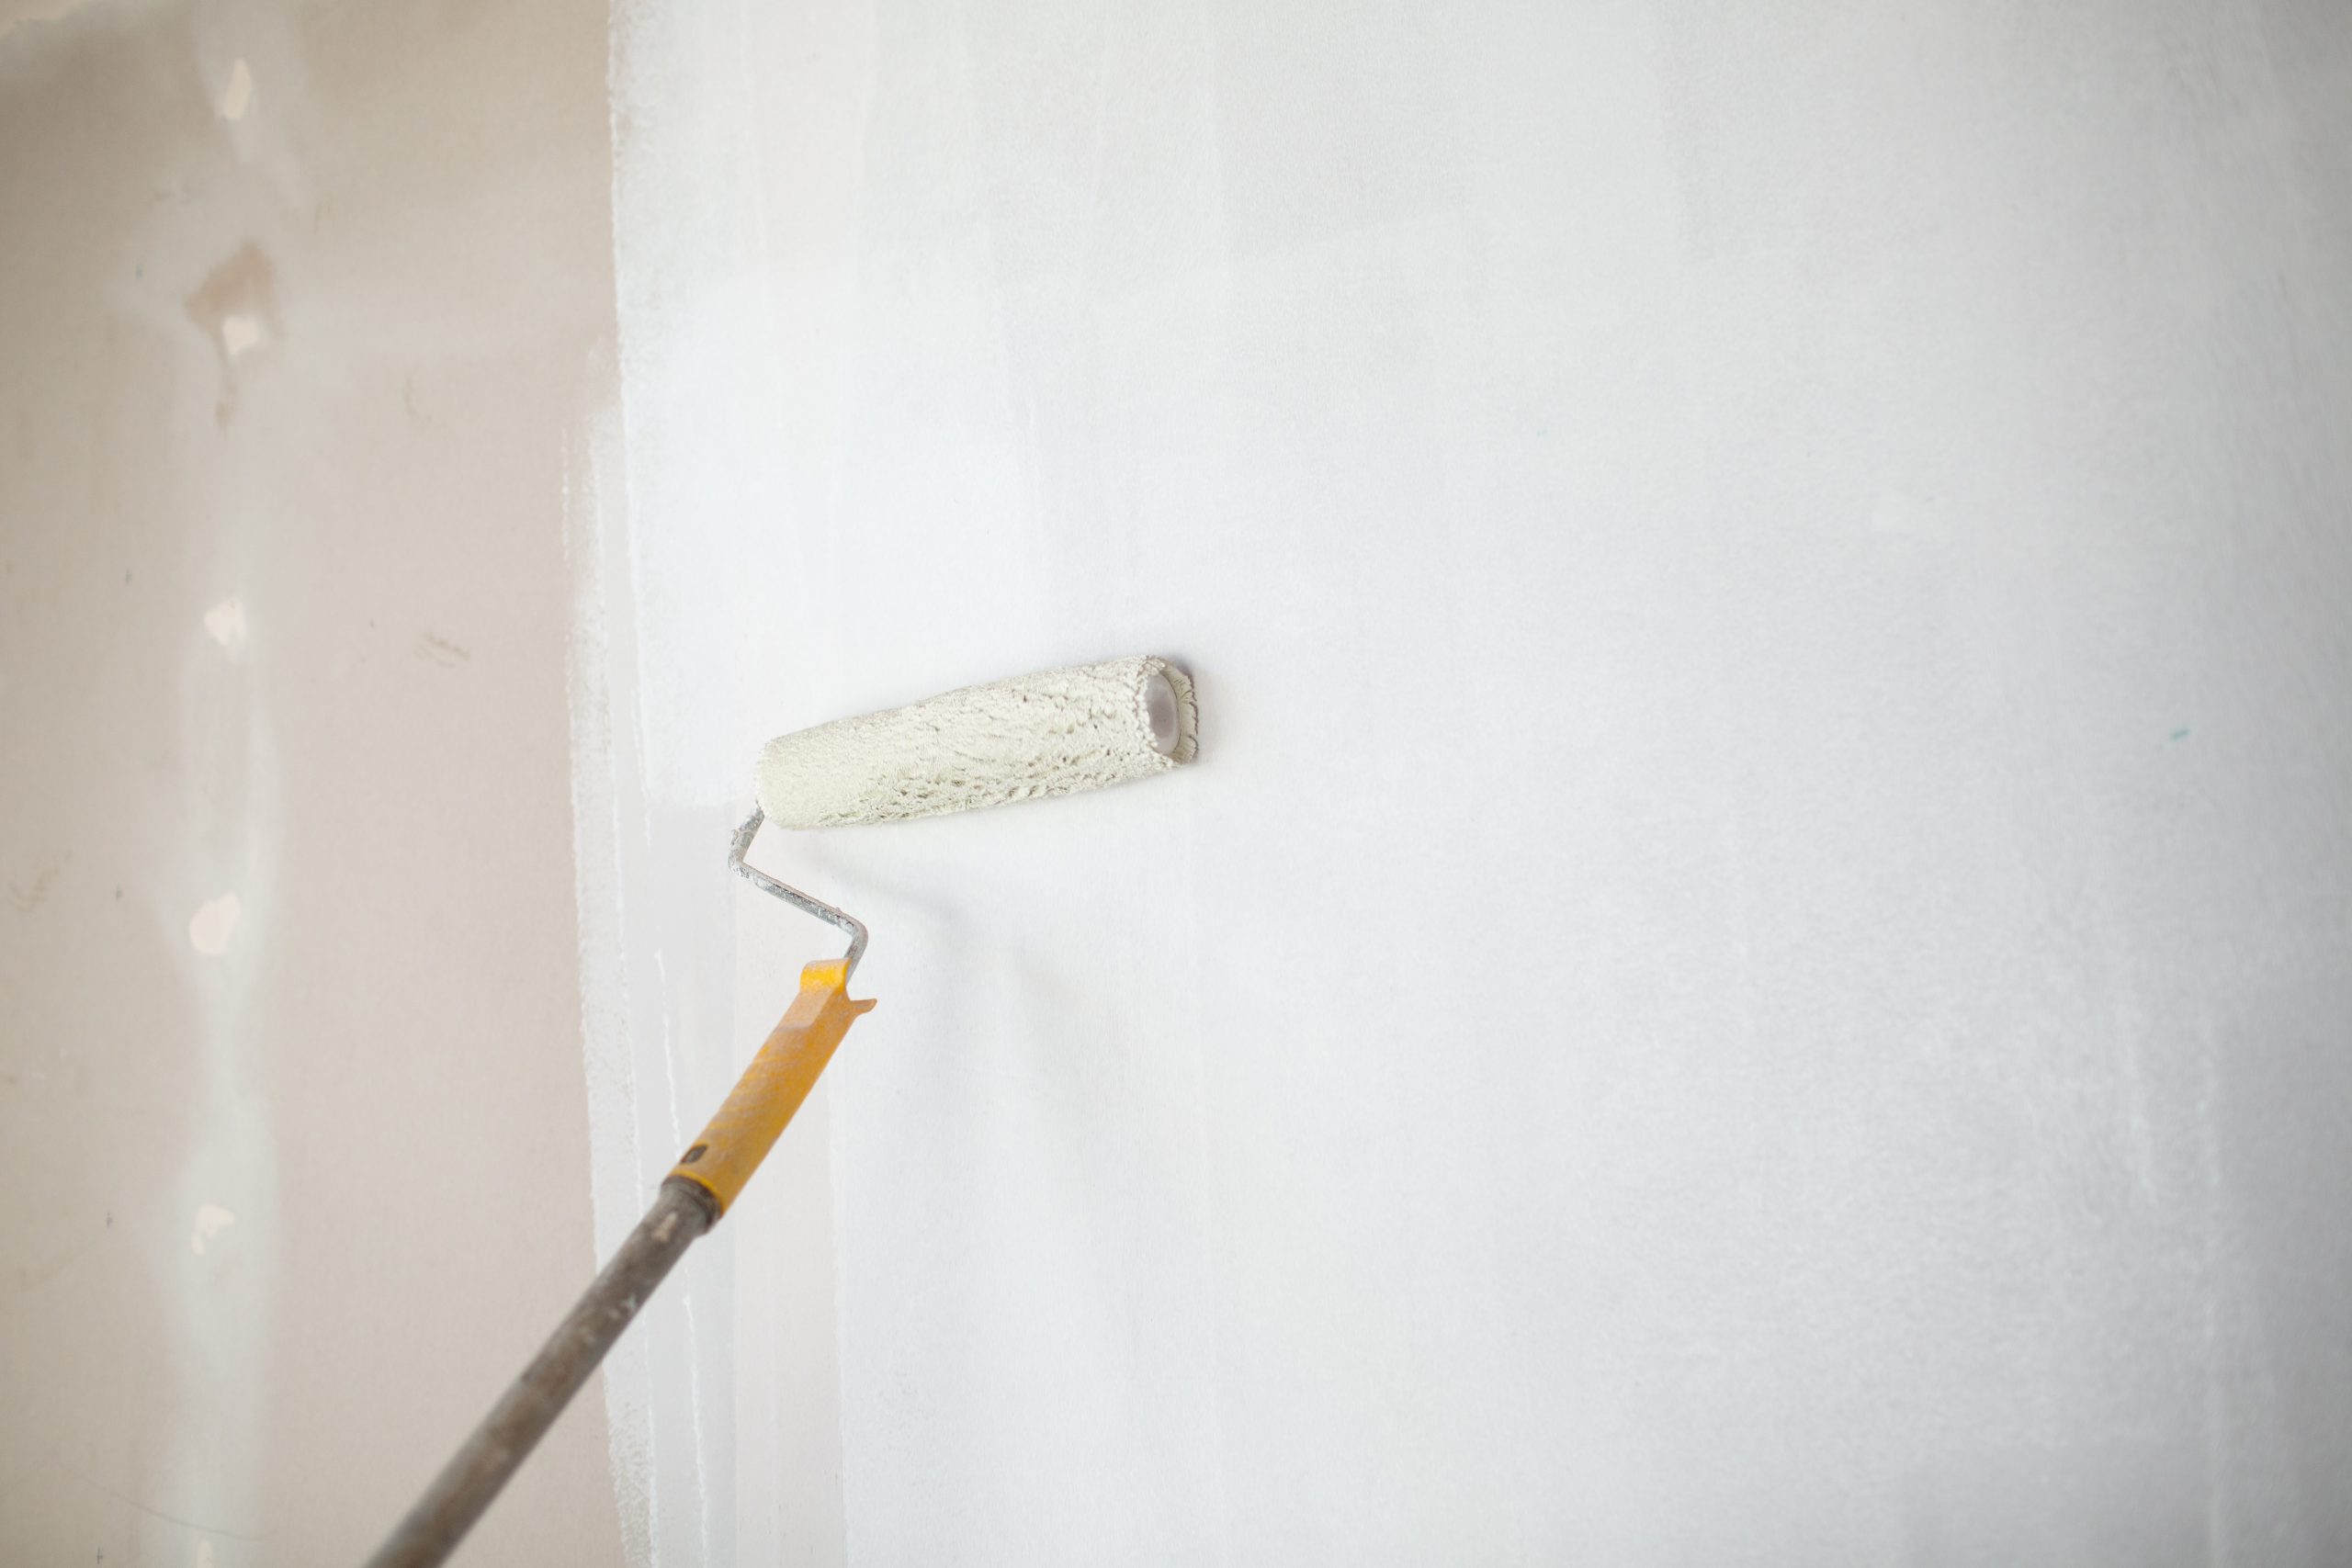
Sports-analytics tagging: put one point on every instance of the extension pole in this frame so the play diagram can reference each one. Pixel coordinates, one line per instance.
(701, 1187)
(471, 1481)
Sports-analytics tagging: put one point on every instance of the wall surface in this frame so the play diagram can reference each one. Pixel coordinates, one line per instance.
(1755, 966)
(300, 310)
(1754, 970)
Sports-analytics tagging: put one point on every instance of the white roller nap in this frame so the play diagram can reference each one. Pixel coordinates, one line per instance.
(1052, 733)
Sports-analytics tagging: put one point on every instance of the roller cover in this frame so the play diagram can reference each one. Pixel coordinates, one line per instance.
(1053, 733)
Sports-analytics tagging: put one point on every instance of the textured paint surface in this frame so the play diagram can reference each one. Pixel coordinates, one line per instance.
(1754, 969)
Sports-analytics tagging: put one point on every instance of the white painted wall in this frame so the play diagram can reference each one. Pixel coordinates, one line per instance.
(1755, 967)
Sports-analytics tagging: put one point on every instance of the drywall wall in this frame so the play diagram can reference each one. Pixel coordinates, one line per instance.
(1754, 966)
(300, 309)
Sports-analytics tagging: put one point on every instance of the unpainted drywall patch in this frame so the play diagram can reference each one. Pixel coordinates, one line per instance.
(238, 96)
(211, 1219)
(210, 928)
(226, 622)
(236, 306)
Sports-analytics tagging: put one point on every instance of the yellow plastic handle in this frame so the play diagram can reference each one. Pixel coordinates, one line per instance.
(771, 1089)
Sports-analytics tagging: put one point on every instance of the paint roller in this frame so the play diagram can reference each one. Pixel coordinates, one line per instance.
(1032, 736)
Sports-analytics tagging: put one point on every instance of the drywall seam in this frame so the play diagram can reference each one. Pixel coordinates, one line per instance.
(608, 1063)
(224, 1278)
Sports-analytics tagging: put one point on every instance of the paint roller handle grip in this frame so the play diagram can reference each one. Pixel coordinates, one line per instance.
(772, 1088)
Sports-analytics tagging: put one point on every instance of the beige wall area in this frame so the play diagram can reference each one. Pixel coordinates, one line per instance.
(298, 305)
